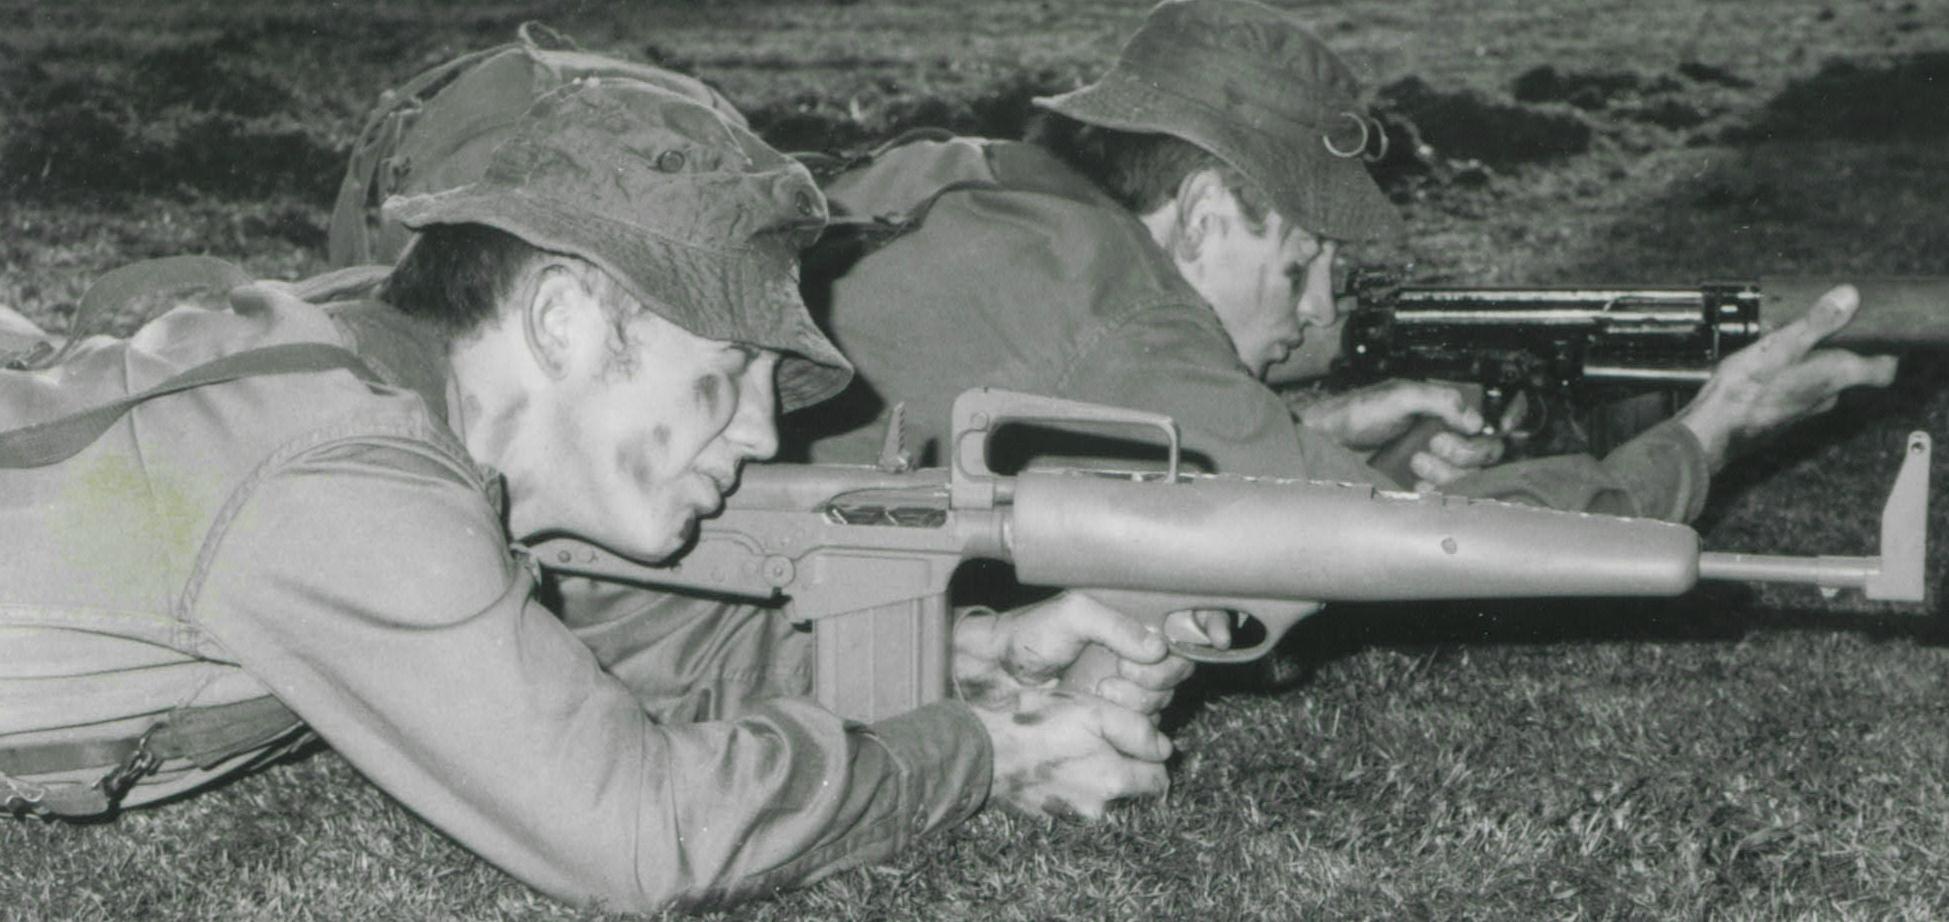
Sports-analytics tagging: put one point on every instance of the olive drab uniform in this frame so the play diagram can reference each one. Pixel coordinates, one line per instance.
(241, 551)
(960, 262)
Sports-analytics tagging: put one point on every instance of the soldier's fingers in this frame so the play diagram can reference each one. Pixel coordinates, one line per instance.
(1466, 451)
(1434, 470)
(1514, 414)
(1205, 627)
(1139, 781)
(1125, 693)
(1441, 401)
(1825, 372)
(1055, 632)
(1113, 779)
(1831, 312)
(1163, 675)
(1217, 625)
(1131, 733)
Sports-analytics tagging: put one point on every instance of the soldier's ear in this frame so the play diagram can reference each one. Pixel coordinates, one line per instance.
(1202, 202)
(555, 305)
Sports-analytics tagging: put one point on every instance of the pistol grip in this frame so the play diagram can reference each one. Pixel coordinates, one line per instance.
(1394, 458)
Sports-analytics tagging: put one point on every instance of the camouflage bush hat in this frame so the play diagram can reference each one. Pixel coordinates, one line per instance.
(1253, 87)
(693, 215)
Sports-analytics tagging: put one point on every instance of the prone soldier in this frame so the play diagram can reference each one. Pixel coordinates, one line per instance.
(1166, 236)
(242, 526)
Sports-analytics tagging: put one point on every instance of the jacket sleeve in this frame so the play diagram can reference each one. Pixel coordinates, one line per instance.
(1660, 474)
(368, 585)
(1170, 359)
(685, 658)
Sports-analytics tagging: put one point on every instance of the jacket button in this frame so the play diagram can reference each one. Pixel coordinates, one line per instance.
(670, 161)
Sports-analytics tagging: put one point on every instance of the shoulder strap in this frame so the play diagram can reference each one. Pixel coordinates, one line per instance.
(62, 438)
(59, 439)
(115, 290)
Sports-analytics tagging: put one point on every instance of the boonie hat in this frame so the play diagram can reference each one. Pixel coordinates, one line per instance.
(1253, 87)
(693, 215)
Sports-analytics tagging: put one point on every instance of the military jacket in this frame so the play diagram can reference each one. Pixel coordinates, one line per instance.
(325, 544)
(1002, 267)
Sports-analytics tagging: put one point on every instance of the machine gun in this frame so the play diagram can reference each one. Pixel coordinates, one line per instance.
(864, 553)
(1595, 365)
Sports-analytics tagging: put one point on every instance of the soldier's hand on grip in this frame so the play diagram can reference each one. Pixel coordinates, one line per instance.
(1034, 646)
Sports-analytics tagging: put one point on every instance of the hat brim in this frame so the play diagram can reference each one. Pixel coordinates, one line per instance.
(1328, 195)
(747, 296)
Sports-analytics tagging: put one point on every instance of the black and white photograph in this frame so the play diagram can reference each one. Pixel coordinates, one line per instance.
(998, 460)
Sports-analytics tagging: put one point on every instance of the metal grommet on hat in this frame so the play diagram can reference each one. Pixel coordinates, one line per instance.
(1326, 138)
(1381, 131)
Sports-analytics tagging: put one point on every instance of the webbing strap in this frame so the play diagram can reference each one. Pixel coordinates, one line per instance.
(154, 276)
(62, 438)
(205, 736)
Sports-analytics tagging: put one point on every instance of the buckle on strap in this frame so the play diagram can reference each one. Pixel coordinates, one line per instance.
(140, 761)
(27, 358)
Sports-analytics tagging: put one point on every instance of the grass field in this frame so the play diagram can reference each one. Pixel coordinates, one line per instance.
(1733, 755)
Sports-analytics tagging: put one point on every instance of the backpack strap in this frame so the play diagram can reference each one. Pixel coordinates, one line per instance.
(113, 291)
(59, 439)
(203, 736)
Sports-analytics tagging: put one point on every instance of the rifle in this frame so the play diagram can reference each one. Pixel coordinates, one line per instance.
(1571, 351)
(864, 552)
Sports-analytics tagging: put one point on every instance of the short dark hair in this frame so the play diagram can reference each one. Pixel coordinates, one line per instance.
(455, 276)
(1141, 170)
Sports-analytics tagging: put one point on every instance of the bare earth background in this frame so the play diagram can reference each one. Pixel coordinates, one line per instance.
(1732, 755)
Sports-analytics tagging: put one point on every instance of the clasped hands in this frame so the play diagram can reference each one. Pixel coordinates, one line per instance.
(1065, 751)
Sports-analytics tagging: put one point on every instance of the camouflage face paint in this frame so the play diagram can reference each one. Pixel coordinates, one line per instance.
(640, 458)
(709, 392)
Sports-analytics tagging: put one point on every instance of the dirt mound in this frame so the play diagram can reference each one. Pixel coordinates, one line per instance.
(1663, 100)
(815, 122)
(1588, 90)
(1903, 100)
(1701, 72)
(1467, 125)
